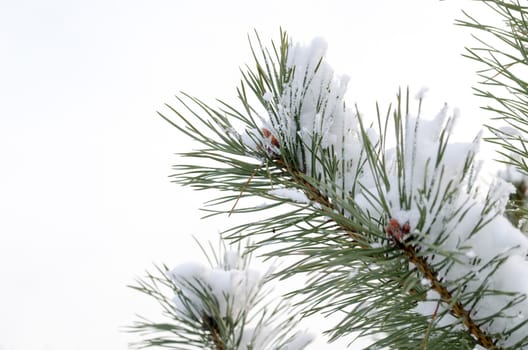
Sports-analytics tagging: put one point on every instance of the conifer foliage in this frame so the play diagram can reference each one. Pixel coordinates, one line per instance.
(402, 240)
(226, 305)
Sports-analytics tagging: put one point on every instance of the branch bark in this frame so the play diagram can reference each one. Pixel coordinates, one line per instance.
(457, 308)
(211, 326)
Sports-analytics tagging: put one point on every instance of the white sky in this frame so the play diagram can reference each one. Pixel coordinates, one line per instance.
(85, 201)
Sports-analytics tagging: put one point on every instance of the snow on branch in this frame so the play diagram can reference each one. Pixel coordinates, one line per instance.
(225, 306)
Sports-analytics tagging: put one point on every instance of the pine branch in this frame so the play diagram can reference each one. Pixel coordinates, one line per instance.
(503, 54)
(226, 307)
(502, 51)
(386, 230)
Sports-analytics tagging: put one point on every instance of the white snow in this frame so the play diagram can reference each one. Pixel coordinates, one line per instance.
(292, 194)
(249, 138)
(233, 289)
(300, 341)
(420, 95)
(268, 97)
(314, 114)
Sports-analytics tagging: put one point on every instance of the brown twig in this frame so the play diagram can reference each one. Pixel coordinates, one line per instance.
(243, 189)
(211, 326)
(316, 196)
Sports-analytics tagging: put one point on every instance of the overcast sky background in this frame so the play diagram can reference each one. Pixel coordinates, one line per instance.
(85, 200)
